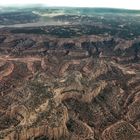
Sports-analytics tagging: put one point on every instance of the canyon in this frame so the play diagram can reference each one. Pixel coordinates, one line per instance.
(78, 79)
(76, 88)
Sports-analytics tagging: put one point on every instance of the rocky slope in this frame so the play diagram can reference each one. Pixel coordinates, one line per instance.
(80, 88)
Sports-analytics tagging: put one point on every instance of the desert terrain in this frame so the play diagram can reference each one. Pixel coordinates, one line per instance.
(77, 81)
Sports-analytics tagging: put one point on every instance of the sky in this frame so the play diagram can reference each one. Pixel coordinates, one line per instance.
(127, 4)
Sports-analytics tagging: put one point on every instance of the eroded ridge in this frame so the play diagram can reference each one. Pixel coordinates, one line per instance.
(79, 88)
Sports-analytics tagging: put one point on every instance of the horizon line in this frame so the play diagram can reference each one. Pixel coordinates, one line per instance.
(50, 6)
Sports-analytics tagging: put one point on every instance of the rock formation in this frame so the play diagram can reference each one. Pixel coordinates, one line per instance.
(80, 88)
